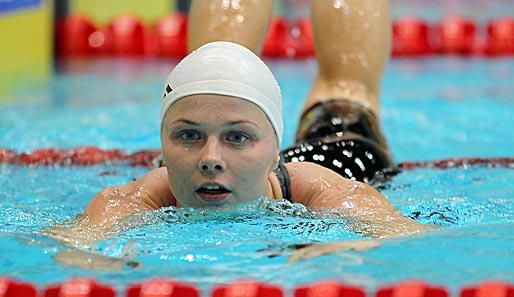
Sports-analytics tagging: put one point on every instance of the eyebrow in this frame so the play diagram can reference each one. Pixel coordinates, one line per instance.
(185, 122)
(229, 123)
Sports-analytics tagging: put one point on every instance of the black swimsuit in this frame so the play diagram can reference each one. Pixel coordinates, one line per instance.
(341, 135)
(285, 182)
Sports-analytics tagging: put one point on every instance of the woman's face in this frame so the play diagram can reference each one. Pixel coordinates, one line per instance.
(218, 150)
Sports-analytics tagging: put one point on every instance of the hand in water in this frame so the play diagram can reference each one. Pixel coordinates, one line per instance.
(79, 236)
(319, 249)
(87, 260)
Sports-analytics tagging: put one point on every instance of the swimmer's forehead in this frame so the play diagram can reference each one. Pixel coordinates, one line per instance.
(232, 110)
(196, 101)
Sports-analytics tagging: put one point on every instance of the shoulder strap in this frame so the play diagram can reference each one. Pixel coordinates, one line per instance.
(285, 183)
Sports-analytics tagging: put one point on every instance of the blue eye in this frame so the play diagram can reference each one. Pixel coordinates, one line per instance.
(237, 138)
(189, 135)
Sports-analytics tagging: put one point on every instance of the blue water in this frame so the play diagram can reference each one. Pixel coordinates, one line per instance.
(432, 108)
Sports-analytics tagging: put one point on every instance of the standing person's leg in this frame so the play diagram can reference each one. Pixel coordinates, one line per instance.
(241, 21)
(352, 39)
(339, 127)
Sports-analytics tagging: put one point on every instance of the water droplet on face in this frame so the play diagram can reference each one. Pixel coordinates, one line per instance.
(338, 3)
(236, 4)
(225, 4)
(341, 4)
(239, 18)
(363, 60)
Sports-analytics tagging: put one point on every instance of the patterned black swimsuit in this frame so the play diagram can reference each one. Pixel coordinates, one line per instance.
(341, 135)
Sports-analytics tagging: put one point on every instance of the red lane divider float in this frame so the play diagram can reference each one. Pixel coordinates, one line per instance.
(460, 162)
(287, 39)
(489, 289)
(81, 156)
(87, 156)
(457, 35)
(11, 288)
(78, 36)
(500, 34)
(162, 288)
(412, 289)
(329, 289)
(275, 43)
(169, 35)
(247, 289)
(410, 37)
(82, 287)
(79, 288)
(125, 36)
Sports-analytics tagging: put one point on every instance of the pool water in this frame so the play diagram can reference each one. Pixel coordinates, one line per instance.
(432, 108)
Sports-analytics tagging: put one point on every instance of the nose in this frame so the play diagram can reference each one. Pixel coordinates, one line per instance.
(211, 160)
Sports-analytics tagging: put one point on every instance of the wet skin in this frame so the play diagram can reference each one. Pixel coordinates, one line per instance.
(218, 150)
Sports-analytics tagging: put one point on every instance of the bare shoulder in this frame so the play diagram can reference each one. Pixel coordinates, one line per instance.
(156, 187)
(151, 191)
(319, 187)
(372, 214)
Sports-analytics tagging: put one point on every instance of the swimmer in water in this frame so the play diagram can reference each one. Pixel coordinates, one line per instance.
(221, 124)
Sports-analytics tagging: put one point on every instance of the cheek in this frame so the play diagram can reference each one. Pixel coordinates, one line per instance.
(174, 156)
(178, 163)
(179, 178)
(181, 166)
(254, 179)
(165, 148)
(265, 158)
(178, 188)
(256, 166)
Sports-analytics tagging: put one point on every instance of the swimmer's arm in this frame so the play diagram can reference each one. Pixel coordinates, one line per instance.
(367, 210)
(106, 208)
(149, 192)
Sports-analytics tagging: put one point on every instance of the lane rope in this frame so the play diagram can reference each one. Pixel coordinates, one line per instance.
(89, 155)
(77, 35)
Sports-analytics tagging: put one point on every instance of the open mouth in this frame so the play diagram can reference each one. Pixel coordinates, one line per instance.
(213, 192)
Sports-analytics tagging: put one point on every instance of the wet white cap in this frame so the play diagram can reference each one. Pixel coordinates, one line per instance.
(226, 68)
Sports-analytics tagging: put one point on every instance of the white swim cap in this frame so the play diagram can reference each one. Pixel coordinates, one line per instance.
(226, 68)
